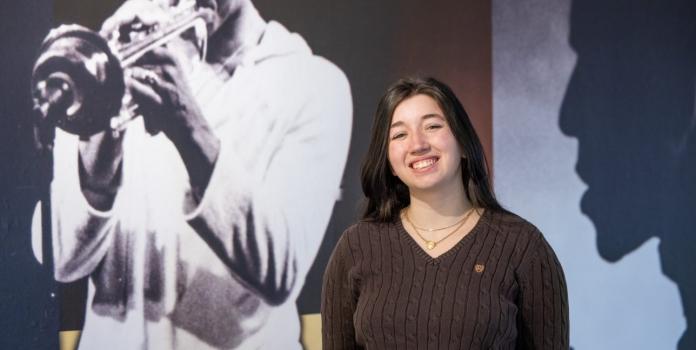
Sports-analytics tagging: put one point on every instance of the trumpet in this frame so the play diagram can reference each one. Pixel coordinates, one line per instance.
(78, 81)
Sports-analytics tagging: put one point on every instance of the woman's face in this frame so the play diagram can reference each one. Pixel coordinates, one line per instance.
(423, 152)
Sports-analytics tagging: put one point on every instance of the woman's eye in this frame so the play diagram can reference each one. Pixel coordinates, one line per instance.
(433, 126)
(398, 136)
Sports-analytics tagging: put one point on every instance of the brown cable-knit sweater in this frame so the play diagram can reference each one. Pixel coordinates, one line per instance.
(500, 287)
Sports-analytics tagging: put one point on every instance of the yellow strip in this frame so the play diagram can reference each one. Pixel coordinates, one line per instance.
(311, 331)
(68, 339)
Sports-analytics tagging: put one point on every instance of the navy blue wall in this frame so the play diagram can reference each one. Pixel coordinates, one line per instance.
(28, 295)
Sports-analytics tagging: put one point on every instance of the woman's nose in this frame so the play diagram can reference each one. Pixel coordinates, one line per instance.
(419, 143)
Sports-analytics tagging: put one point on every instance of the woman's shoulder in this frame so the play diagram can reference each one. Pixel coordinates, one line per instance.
(510, 223)
(360, 235)
(366, 229)
(529, 240)
(508, 219)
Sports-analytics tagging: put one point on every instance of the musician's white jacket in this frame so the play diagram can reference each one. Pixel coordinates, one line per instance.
(166, 273)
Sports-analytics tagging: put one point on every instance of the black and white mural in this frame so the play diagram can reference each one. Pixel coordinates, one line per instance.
(594, 141)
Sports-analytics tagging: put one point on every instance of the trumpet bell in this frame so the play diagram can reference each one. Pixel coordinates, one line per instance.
(77, 81)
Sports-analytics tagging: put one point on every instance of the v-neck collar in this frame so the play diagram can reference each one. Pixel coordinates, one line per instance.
(436, 260)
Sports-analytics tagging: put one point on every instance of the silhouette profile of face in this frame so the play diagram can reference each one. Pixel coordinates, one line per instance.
(630, 104)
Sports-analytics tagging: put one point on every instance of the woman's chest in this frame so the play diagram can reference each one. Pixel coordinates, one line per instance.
(463, 300)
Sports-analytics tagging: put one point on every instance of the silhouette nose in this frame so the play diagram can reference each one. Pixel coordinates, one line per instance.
(568, 120)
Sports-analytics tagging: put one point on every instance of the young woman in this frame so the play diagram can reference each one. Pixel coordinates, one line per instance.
(436, 262)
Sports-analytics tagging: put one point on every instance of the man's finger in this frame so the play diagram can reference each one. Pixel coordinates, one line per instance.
(143, 85)
(158, 56)
(148, 102)
(134, 11)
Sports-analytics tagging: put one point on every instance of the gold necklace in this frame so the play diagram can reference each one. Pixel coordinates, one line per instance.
(430, 245)
(441, 228)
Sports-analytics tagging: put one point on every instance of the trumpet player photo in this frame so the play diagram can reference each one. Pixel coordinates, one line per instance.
(198, 151)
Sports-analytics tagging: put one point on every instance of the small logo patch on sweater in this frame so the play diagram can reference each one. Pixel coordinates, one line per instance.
(478, 268)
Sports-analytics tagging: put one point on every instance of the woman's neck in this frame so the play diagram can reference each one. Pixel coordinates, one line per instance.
(437, 209)
(241, 29)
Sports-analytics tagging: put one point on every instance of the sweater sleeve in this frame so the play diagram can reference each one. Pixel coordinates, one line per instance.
(543, 301)
(338, 300)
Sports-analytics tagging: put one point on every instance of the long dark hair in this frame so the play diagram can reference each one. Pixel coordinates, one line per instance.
(387, 194)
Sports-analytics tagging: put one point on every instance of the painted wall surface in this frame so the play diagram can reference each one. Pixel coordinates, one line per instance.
(593, 106)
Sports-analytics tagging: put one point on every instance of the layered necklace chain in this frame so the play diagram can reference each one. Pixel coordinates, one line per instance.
(429, 244)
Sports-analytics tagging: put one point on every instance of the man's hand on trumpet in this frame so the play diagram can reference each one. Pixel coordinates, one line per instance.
(158, 85)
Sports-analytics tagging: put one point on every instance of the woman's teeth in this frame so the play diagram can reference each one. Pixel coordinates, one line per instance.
(423, 163)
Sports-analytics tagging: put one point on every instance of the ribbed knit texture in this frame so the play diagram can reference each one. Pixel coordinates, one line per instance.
(382, 291)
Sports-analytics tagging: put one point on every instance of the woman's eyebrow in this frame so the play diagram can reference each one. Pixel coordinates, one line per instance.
(427, 116)
(395, 124)
(432, 115)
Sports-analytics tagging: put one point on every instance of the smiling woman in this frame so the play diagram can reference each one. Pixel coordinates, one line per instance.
(436, 260)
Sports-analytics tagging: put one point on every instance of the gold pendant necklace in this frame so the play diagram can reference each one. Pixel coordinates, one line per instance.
(430, 245)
